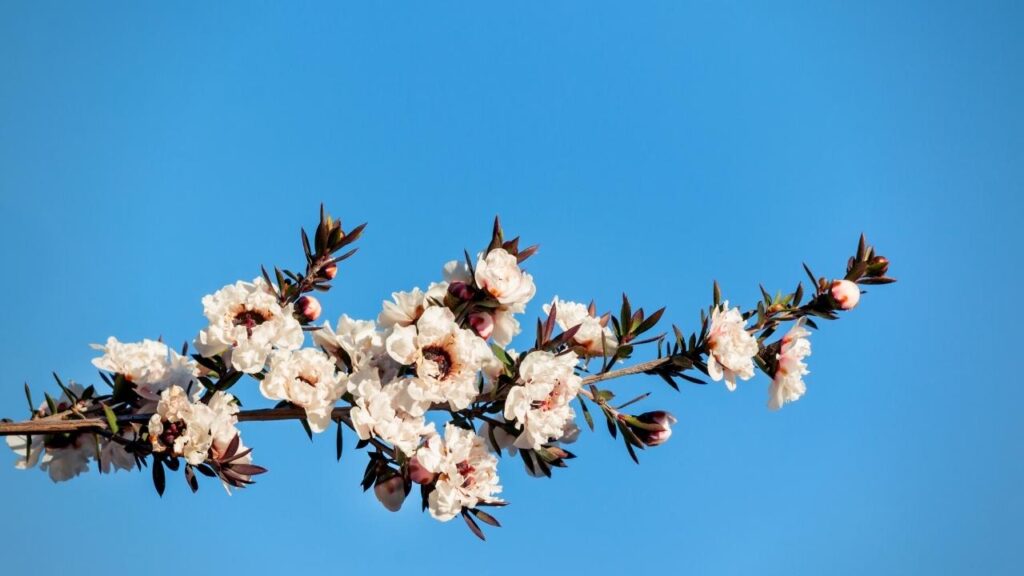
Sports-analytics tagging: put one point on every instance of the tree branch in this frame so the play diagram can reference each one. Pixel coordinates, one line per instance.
(56, 425)
(48, 426)
(635, 369)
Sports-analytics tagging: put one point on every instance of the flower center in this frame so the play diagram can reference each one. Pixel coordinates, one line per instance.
(551, 401)
(309, 381)
(466, 470)
(172, 431)
(250, 319)
(440, 358)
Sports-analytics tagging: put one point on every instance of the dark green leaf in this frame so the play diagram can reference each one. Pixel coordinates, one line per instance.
(473, 527)
(111, 419)
(159, 480)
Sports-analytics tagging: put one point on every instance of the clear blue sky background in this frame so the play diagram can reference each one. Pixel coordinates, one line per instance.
(150, 154)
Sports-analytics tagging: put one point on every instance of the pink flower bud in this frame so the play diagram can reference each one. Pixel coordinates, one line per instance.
(845, 293)
(461, 290)
(482, 323)
(391, 492)
(655, 427)
(308, 307)
(419, 474)
(329, 271)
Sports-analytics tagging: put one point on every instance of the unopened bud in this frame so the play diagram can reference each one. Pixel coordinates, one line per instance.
(845, 293)
(461, 291)
(419, 474)
(482, 323)
(329, 271)
(391, 492)
(654, 428)
(308, 307)
(878, 266)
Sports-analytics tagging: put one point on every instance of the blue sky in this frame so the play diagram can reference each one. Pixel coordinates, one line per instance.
(151, 154)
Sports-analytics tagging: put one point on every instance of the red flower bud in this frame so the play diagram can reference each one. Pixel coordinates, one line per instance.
(878, 266)
(309, 308)
(329, 271)
(419, 474)
(654, 428)
(391, 492)
(482, 323)
(461, 290)
(845, 293)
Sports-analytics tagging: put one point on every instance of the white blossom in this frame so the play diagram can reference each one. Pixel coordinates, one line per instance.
(404, 308)
(467, 473)
(539, 404)
(247, 321)
(593, 337)
(447, 359)
(456, 271)
(788, 384)
(63, 455)
(28, 456)
(67, 457)
(150, 365)
(731, 348)
(191, 429)
(378, 411)
(114, 456)
(307, 378)
(499, 274)
(362, 342)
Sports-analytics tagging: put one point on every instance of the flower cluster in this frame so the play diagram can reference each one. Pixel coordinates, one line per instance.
(434, 359)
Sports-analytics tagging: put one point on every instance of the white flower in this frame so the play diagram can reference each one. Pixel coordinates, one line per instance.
(190, 429)
(306, 378)
(456, 271)
(404, 308)
(223, 420)
(67, 457)
(177, 426)
(731, 348)
(506, 327)
(539, 404)
(113, 455)
(377, 411)
(788, 384)
(151, 366)
(63, 455)
(499, 274)
(246, 319)
(361, 342)
(447, 358)
(593, 337)
(27, 456)
(467, 472)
